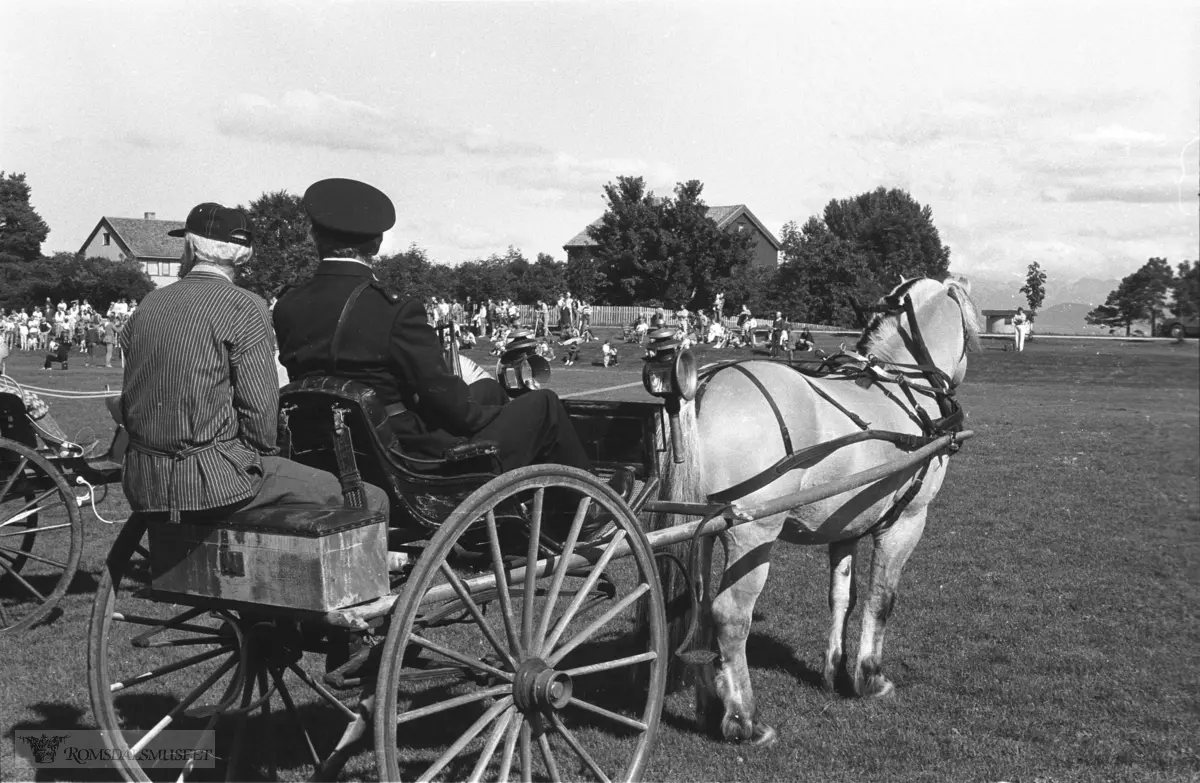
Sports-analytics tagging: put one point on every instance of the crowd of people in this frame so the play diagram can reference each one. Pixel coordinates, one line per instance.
(61, 330)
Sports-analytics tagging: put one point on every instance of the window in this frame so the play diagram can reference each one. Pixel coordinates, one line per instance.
(107, 239)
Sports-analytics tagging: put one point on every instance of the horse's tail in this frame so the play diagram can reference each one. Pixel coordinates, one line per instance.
(680, 483)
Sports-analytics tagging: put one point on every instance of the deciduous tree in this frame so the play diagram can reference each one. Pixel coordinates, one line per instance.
(22, 230)
(284, 254)
(1034, 288)
(1185, 290)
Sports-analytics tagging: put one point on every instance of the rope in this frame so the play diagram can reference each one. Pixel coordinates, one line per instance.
(63, 394)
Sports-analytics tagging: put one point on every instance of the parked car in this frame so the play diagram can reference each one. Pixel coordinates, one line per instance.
(1183, 327)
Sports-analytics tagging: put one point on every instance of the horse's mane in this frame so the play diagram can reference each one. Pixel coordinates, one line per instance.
(885, 326)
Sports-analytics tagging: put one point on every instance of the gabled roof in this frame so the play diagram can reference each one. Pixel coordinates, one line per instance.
(141, 238)
(722, 216)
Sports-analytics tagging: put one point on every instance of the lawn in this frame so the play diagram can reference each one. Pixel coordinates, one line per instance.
(1047, 627)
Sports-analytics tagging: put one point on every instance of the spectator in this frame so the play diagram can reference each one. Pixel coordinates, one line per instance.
(60, 352)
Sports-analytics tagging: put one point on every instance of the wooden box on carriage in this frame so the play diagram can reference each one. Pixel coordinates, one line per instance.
(313, 559)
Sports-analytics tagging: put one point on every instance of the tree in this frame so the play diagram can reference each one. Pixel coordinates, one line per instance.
(861, 247)
(655, 249)
(67, 277)
(22, 230)
(284, 253)
(411, 273)
(1139, 297)
(1185, 290)
(1034, 288)
(583, 278)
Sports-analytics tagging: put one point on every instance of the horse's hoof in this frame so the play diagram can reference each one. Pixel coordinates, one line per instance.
(764, 736)
(876, 688)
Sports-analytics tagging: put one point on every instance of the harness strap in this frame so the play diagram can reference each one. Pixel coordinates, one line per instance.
(893, 513)
(783, 430)
(341, 324)
(854, 417)
(811, 456)
(176, 457)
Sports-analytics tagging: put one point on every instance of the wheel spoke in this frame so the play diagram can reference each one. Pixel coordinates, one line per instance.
(449, 704)
(4, 620)
(531, 559)
(32, 556)
(323, 692)
(21, 517)
(34, 530)
(582, 671)
(12, 479)
(179, 708)
(178, 622)
(473, 608)
(490, 745)
(175, 623)
(597, 624)
(286, 697)
(506, 612)
(24, 582)
(154, 674)
(455, 655)
(588, 584)
(573, 741)
(510, 746)
(560, 573)
(468, 735)
(548, 756)
(526, 750)
(36, 501)
(616, 717)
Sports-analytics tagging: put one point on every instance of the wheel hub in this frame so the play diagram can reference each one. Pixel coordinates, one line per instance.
(539, 687)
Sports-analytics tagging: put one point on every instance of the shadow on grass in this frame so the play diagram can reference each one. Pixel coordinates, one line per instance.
(58, 717)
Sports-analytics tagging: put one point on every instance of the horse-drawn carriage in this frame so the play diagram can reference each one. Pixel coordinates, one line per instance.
(477, 629)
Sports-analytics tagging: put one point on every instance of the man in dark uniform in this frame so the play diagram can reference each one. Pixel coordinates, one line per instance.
(343, 322)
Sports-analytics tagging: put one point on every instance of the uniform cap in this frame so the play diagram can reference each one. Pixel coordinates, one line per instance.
(349, 207)
(213, 221)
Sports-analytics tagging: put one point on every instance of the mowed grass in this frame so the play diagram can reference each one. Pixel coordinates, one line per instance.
(1046, 630)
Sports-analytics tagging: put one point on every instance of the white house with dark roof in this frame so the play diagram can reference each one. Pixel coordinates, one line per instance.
(143, 240)
(737, 217)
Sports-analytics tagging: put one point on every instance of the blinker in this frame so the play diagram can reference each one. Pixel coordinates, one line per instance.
(670, 373)
(520, 368)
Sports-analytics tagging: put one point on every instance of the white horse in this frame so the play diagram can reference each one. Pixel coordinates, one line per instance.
(751, 415)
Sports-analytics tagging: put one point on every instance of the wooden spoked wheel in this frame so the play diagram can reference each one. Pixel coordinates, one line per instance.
(161, 673)
(41, 537)
(493, 670)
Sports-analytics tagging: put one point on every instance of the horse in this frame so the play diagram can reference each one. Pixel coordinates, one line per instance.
(752, 416)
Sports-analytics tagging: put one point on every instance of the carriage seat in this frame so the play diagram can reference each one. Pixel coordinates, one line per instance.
(321, 412)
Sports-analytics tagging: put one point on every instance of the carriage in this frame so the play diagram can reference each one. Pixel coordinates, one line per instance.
(473, 631)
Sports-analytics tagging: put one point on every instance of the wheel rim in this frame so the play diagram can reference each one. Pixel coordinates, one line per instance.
(532, 681)
(41, 536)
(156, 666)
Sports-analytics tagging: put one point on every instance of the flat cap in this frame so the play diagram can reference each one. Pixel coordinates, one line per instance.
(213, 221)
(349, 206)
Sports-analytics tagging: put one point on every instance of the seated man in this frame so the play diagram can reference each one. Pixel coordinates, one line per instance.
(200, 399)
(343, 322)
(608, 353)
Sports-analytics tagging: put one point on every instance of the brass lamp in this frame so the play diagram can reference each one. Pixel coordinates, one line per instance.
(520, 368)
(670, 372)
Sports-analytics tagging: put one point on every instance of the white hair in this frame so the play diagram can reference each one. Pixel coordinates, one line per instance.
(214, 251)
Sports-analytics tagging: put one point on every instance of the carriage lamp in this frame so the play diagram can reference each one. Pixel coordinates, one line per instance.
(670, 373)
(521, 368)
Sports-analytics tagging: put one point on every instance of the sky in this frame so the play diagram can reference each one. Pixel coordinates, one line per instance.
(1059, 132)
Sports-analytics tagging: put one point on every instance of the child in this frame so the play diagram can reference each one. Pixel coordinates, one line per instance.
(571, 344)
(609, 353)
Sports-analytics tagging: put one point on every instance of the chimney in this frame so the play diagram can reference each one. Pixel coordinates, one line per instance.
(149, 216)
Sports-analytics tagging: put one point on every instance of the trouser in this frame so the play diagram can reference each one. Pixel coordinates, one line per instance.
(533, 429)
(288, 483)
(1019, 338)
(108, 348)
(55, 357)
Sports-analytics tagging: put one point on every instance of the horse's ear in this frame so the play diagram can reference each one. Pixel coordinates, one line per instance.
(858, 311)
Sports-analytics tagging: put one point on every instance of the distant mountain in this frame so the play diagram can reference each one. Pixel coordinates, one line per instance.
(1067, 318)
(994, 292)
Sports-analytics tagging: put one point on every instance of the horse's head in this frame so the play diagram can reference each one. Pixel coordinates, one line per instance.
(946, 326)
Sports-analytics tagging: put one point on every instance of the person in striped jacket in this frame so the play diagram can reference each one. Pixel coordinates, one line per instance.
(201, 395)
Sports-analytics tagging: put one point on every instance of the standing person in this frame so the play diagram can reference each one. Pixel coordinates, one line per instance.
(108, 332)
(201, 397)
(777, 333)
(1020, 324)
(383, 341)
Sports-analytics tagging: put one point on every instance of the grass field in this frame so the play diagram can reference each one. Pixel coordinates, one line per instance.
(1047, 628)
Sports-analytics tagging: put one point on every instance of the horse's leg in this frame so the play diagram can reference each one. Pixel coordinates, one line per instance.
(889, 554)
(746, 569)
(843, 593)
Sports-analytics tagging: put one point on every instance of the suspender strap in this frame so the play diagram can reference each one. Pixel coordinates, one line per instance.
(783, 430)
(341, 324)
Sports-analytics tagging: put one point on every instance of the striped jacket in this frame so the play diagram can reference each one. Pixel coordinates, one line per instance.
(200, 396)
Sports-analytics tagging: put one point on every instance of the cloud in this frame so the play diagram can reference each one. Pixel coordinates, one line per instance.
(1120, 136)
(1154, 193)
(552, 177)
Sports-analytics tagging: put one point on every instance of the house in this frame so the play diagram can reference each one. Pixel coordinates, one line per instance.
(143, 240)
(732, 218)
(999, 321)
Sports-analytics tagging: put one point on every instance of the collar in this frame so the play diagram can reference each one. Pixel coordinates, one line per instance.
(210, 270)
(351, 267)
